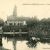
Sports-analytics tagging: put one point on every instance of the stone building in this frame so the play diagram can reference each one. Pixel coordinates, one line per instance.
(14, 19)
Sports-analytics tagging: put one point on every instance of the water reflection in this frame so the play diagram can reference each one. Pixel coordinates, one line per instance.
(14, 44)
(32, 43)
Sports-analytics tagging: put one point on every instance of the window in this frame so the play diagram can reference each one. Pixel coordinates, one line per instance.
(24, 23)
(10, 23)
(14, 23)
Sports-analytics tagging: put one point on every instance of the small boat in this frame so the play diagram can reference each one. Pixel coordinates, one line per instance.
(37, 39)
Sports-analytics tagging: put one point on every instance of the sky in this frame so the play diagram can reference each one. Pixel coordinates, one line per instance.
(30, 10)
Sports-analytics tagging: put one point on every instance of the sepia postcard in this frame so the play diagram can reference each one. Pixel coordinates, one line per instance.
(24, 24)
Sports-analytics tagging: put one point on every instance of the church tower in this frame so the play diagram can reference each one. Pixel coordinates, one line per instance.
(15, 11)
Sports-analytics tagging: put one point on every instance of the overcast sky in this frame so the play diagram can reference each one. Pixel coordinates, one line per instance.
(41, 11)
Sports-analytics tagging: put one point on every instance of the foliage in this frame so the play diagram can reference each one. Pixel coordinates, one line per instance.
(1, 22)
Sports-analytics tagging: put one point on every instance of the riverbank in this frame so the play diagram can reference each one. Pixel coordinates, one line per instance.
(2, 48)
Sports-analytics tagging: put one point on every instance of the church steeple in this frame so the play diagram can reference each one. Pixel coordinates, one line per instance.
(15, 11)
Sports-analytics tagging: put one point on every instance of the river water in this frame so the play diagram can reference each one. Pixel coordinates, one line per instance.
(13, 44)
